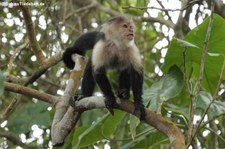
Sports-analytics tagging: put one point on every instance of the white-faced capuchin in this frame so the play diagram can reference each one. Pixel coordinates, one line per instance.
(113, 48)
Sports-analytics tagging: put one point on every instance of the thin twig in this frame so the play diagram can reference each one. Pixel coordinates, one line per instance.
(198, 88)
(166, 12)
(49, 63)
(214, 98)
(163, 9)
(14, 56)
(185, 71)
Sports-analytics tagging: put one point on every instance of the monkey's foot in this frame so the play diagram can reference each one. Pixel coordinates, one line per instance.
(75, 98)
(123, 94)
(141, 110)
(110, 104)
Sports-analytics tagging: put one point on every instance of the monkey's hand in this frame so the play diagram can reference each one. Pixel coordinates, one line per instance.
(110, 103)
(75, 98)
(123, 94)
(139, 106)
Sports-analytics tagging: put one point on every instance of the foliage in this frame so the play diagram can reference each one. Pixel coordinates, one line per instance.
(1, 83)
(168, 87)
(28, 115)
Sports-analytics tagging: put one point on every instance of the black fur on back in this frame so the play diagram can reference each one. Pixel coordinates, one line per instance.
(82, 44)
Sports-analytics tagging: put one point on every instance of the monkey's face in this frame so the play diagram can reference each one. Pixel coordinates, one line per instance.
(120, 29)
(127, 30)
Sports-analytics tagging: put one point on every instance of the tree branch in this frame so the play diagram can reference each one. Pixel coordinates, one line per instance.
(166, 127)
(30, 92)
(147, 19)
(164, 9)
(12, 137)
(65, 117)
(48, 63)
(31, 34)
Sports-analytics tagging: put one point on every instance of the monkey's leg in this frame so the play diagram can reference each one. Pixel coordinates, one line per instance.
(137, 83)
(88, 82)
(124, 85)
(87, 85)
(104, 85)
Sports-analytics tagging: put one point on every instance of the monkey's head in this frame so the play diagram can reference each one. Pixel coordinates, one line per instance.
(119, 28)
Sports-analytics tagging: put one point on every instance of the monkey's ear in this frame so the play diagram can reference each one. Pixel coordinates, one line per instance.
(67, 57)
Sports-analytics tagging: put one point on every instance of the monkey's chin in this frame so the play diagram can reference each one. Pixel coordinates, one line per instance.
(130, 37)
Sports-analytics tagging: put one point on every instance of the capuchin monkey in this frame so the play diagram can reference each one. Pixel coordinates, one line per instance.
(113, 48)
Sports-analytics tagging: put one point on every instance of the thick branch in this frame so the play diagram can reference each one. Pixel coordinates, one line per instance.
(65, 117)
(30, 92)
(166, 127)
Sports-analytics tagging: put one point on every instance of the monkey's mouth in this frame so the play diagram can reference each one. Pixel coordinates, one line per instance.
(130, 35)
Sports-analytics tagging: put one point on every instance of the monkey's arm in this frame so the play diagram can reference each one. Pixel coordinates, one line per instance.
(82, 44)
(104, 85)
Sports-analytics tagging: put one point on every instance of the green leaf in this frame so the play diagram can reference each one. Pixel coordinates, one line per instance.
(214, 58)
(168, 87)
(216, 42)
(154, 140)
(112, 122)
(186, 43)
(28, 115)
(138, 139)
(134, 122)
(216, 109)
(88, 135)
(2, 78)
(149, 139)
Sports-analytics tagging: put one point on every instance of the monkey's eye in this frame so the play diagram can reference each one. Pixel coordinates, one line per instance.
(125, 26)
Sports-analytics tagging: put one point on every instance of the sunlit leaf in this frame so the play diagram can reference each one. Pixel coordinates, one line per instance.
(88, 135)
(168, 87)
(111, 123)
(186, 43)
(214, 58)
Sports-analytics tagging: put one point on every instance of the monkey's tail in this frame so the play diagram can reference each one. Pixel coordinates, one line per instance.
(82, 44)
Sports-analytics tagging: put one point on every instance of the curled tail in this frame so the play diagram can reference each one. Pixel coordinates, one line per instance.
(83, 43)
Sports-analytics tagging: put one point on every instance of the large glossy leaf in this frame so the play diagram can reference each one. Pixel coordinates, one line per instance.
(112, 122)
(154, 140)
(134, 122)
(216, 109)
(28, 115)
(168, 87)
(150, 139)
(213, 62)
(88, 135)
